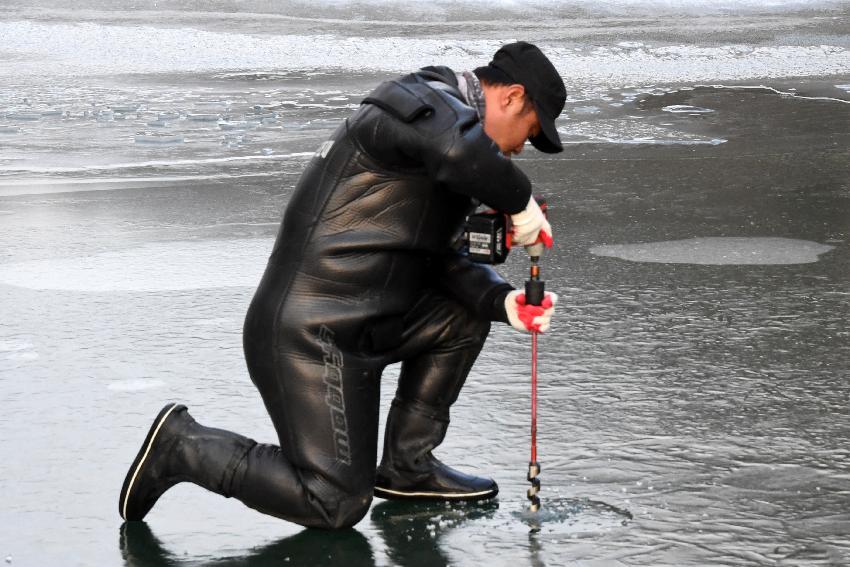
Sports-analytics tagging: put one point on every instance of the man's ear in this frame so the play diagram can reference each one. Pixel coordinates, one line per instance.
(514, 97)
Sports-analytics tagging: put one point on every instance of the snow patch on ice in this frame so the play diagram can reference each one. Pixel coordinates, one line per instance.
(628, 131)
(719, 251)
(63, 49)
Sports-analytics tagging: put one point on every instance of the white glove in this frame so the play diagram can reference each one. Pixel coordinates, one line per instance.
(529, 223)
(527, 318)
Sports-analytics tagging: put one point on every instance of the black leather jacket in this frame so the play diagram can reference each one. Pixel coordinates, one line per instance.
(374, 216)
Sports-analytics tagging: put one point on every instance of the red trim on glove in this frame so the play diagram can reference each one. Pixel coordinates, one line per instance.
(527, 313)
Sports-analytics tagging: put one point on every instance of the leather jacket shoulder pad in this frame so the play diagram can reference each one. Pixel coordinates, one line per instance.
(405, 101)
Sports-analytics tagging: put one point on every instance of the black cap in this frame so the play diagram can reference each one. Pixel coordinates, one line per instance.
(525, 64)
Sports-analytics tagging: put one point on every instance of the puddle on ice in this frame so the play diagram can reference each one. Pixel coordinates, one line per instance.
(559, 516)
(159, 266)
(718, 251)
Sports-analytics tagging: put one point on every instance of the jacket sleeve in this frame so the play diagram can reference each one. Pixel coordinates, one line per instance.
(477, 286)
(434, 130)
(467, 161)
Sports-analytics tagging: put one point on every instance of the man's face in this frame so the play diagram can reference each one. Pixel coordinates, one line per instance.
(509, 119)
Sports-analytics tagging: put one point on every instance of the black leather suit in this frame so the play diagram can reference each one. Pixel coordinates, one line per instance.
(364, 274)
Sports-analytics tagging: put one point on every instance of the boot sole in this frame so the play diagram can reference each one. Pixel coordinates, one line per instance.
(390, 494)
(141, 457)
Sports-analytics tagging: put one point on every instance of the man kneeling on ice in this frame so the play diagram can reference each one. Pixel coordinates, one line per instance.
(366, 272)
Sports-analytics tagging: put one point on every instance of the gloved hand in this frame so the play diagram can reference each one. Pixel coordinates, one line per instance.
(527, 318)
(530, 225)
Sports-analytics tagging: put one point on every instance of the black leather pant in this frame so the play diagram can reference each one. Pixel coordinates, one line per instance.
(322, 393)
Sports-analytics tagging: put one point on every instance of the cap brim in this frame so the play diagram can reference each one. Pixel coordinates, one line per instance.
(548, 140)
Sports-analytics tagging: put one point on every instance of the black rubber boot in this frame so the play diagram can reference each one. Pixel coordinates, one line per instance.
(178, 449)
(409, 471)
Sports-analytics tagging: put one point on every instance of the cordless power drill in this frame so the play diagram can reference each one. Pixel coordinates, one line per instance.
(487, 236)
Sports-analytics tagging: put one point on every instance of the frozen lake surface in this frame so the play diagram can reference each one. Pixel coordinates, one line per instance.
(694, 395)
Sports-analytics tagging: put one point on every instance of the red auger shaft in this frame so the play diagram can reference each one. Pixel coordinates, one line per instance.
(534, 397)
(534, 295)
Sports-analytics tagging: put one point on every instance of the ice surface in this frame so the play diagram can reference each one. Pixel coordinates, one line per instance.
(145, 164)
(135, 385)
(24, 116)
(157, 138)
(160, 266)
(14, 346)
(203, 117)
(719, 251)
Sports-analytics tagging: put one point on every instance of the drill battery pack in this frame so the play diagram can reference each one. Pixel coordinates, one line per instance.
(487, 234)
(486, 237)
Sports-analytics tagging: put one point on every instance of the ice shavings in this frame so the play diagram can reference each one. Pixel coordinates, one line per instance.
(719, 251)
